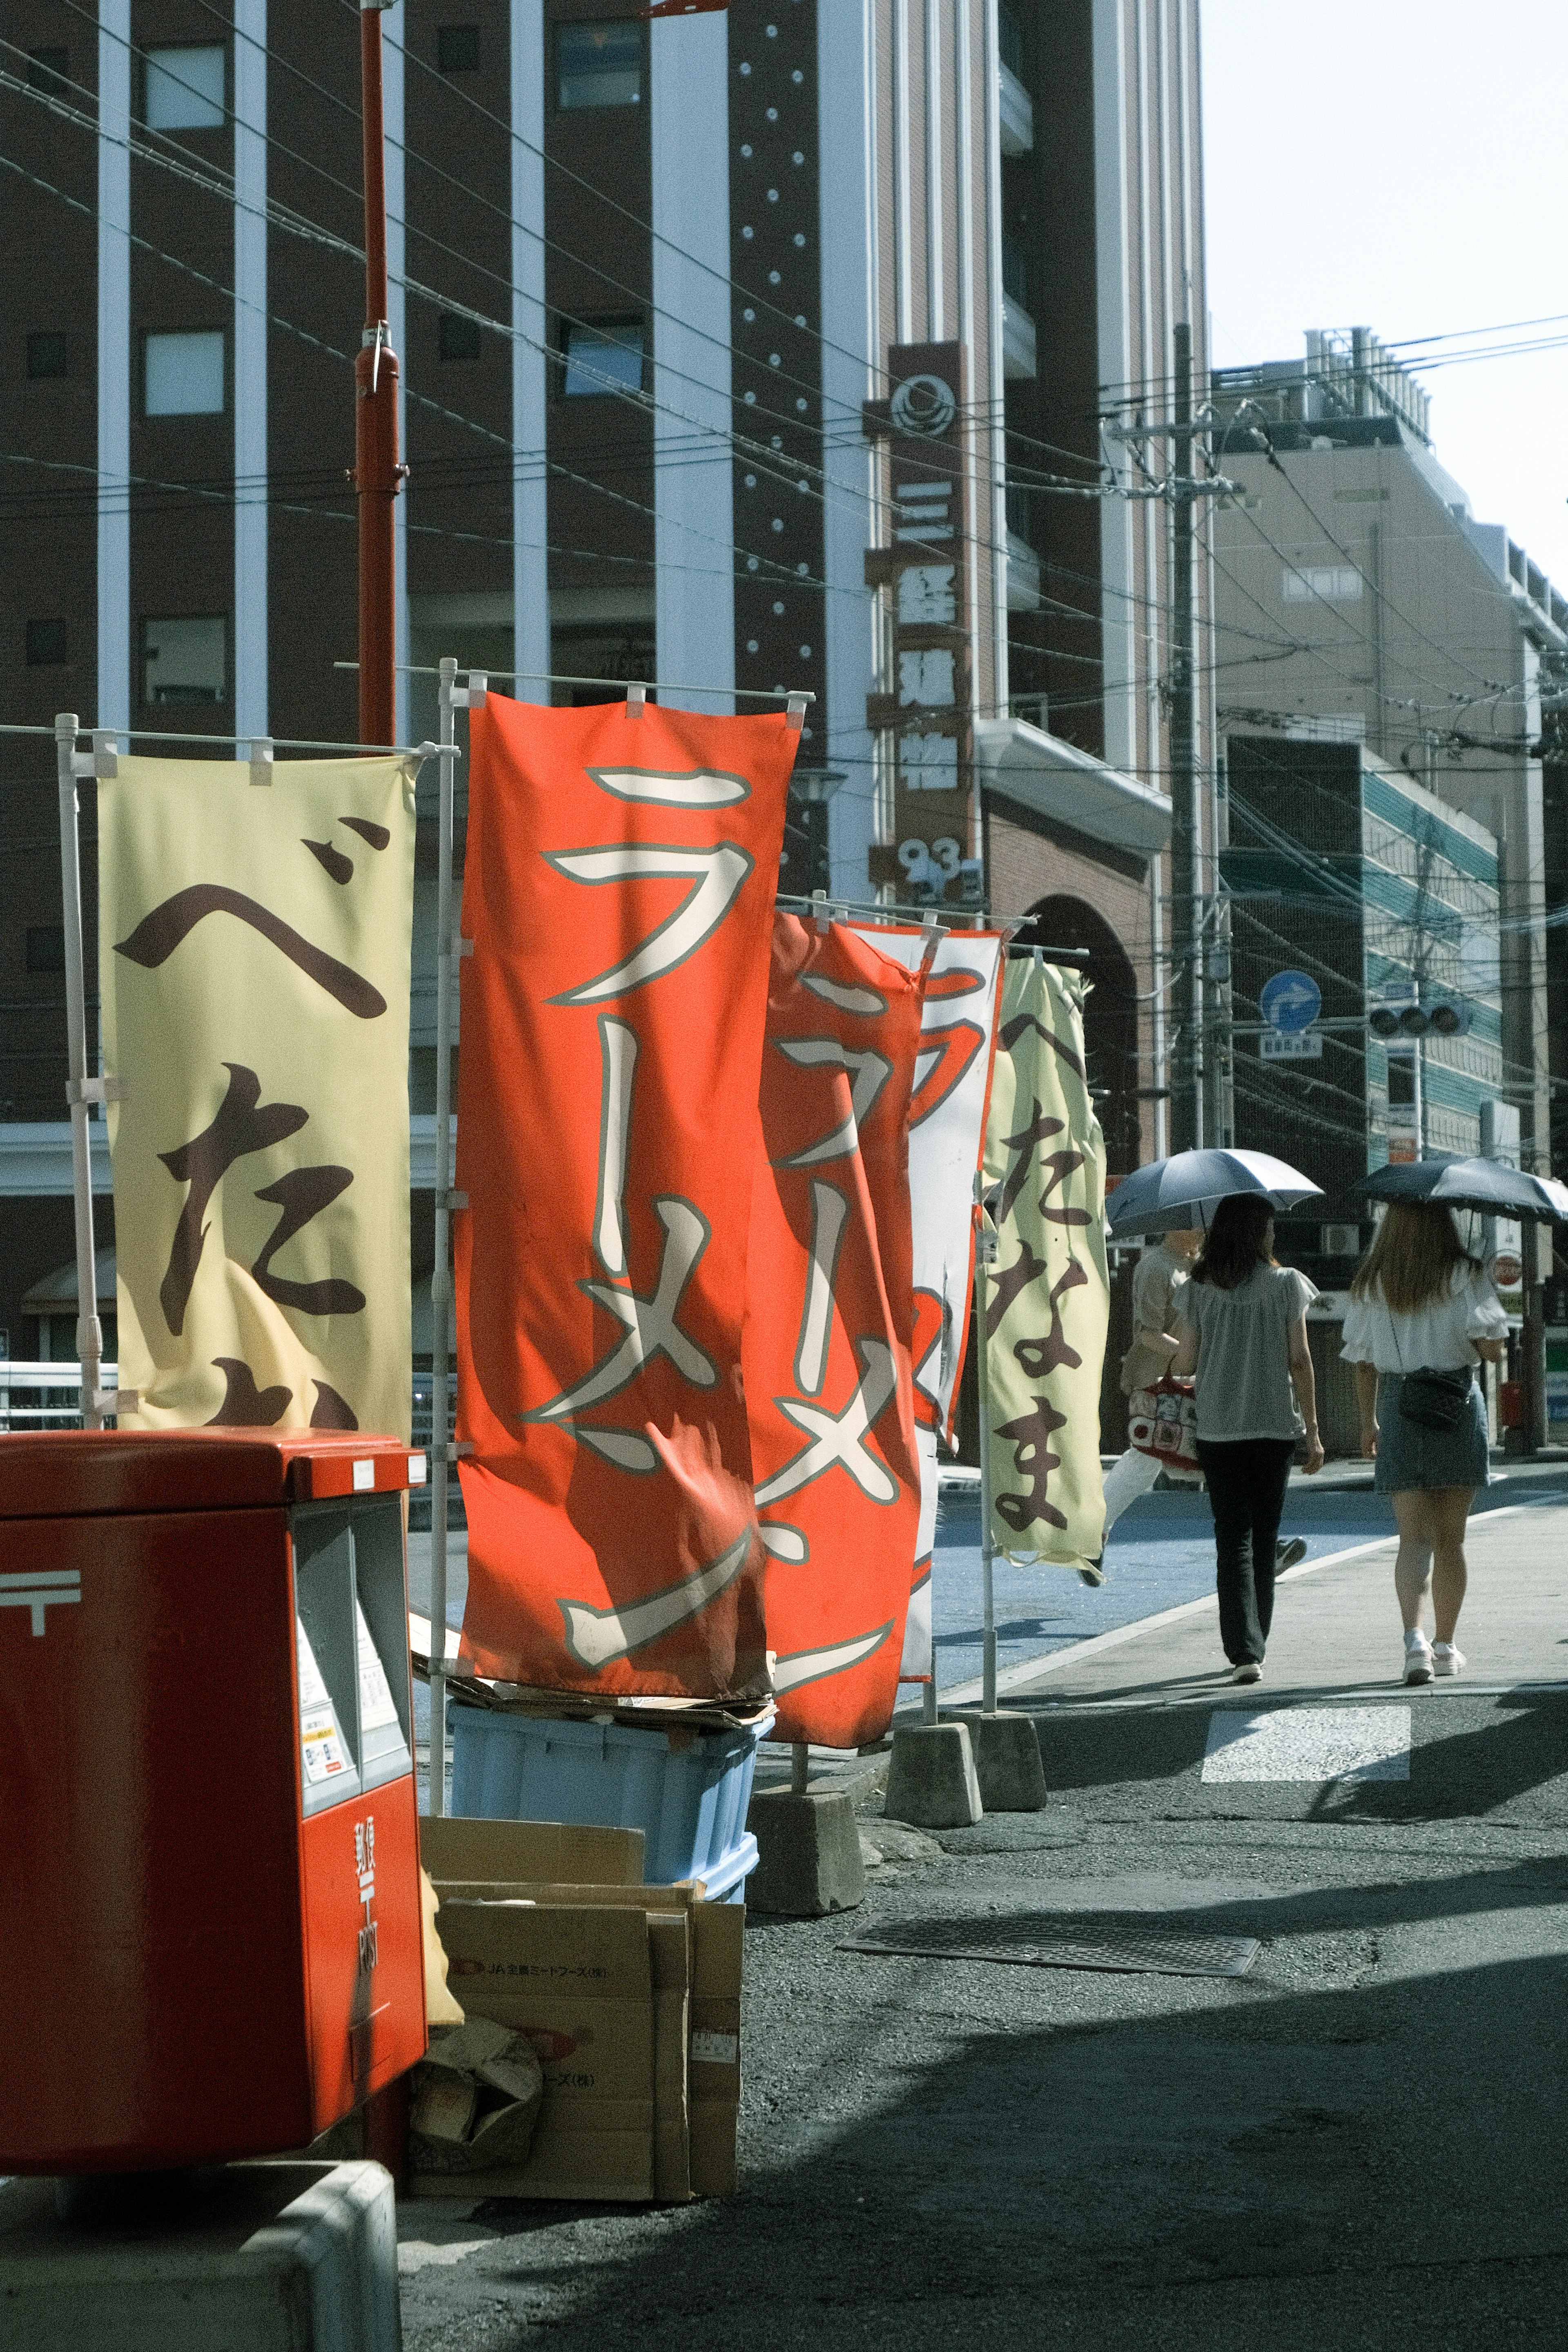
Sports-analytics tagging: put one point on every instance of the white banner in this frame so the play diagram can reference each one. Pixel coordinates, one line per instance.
(946, 1135)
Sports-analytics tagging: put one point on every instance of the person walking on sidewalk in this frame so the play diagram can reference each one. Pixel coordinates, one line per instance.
(1421, 1306)
(1158, 1277)
(1243, 1332)
(1158, 1280)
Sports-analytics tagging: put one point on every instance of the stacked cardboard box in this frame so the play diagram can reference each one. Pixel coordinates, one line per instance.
(630, 1994)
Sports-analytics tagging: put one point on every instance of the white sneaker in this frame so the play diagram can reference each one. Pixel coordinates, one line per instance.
(1249, 1671)
(1447, 1658)
(1418, 1658)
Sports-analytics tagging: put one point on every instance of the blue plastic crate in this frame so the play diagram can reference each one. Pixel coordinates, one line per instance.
(688, 1791)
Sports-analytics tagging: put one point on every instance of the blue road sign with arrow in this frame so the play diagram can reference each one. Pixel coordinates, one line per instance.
(1290, 1001)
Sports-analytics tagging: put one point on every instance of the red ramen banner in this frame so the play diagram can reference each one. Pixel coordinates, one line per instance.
(620, 878)
(828, 1331)
(946, 1134)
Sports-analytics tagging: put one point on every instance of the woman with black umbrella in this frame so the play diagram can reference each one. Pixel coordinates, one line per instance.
(1422, 1312)
(1242, 1325)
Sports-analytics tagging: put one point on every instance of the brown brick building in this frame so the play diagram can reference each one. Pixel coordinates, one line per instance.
(645, 276)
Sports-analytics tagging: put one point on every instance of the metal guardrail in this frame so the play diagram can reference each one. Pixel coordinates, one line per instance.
(48, 1396)
(52, 1394)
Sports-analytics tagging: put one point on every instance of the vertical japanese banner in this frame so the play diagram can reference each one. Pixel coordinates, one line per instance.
(1047, 1301)
(946, 1135)
(254, 963)
(619, 893)
(828, 1325)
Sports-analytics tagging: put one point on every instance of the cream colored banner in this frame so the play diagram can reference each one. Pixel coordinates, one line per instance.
(254, 962)
(1047, 1295)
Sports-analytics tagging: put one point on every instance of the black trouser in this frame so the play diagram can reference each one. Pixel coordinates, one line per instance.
(1247, 1485)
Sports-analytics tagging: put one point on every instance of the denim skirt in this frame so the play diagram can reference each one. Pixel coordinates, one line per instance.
(1409, 1455)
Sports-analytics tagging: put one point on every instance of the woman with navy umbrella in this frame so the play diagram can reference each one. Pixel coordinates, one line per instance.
(1241, 1321)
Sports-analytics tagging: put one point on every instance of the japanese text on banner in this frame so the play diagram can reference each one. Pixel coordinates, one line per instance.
(1046, 1297)
(619, 880)
(254, 961)
(947, 1132)
(828, 1325)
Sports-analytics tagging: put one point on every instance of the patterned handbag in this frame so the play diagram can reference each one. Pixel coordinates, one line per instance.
(1162, 1422)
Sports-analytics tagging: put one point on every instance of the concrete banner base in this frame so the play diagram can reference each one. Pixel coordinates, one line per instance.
(809, 1858)
(1007, 1760)
(931, 1781)
(275, 2257)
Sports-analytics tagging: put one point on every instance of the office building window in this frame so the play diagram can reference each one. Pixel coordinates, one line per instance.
(46, 946)
(184, 374)
(45, 356)
(45, 643)
(185, 90)
(457, 48)
(604, 358)
(458, 339)
(1015, 269)
(599, 65)
(185, 660)
(1010, 40)
(1333, 584)
(49, 70)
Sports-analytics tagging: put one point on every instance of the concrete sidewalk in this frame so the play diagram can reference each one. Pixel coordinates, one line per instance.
(1337, 1627)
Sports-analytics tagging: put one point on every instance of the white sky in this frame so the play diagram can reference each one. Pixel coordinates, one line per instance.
(1399, 165)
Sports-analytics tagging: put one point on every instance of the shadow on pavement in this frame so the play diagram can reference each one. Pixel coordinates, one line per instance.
(1470, 1756)
(1264, 2171)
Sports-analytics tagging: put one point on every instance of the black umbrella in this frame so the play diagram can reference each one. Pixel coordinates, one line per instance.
(1485, 1185)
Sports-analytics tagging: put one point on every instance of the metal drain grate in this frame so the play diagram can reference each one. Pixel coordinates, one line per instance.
(1031, 1940)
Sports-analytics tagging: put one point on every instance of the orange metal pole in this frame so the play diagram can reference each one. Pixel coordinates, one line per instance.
(377, 476)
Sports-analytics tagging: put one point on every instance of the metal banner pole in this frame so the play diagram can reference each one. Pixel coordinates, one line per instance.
(441, 1274)
(453, 698)
(984, 1256)
(80, 1094)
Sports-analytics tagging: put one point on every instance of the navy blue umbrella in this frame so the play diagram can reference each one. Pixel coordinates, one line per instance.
(1485, 1185)
(1186, 1189)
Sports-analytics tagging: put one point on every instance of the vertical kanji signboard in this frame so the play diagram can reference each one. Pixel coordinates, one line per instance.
(929, 704)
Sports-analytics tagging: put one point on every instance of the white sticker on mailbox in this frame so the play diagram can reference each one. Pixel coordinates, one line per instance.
(320, 1747)
(364, 1478)
(377, 1705)
(313, 1691)
(416, 1469)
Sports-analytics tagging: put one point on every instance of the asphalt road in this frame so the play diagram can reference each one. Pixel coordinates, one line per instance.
(1359, 2143)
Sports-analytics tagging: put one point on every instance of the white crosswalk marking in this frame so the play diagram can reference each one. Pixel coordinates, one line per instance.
(1309, 1743)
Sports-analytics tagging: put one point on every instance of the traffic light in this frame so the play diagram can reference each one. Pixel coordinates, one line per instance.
(1439, 1016)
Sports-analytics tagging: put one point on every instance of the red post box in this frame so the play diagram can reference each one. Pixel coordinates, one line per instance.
(209, 1942)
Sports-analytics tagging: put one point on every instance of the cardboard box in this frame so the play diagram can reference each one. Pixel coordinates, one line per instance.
(718, 1932)
(515, 1850)
(579, 1981)
(631, 1995)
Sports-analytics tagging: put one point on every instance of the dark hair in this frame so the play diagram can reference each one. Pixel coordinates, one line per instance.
(1234, 1244)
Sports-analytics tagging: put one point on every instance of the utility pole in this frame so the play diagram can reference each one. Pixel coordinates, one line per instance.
(1186, 996)
(377, 476)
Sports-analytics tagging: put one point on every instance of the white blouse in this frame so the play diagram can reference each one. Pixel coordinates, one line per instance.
(1438, 1334)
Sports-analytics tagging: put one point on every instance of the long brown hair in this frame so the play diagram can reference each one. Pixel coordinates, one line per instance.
(1234, 1243)
(1413, 1255)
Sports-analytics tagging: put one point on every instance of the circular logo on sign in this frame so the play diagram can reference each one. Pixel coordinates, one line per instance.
(924, 405)
(1507, 1271)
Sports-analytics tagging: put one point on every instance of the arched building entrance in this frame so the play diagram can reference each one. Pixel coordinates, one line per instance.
(1110, 1018)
